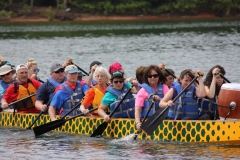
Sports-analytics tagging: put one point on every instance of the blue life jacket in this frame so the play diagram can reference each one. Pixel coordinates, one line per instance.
(207, 107)
(126, 109)
(185, 106)
(75, 98)
(148, 101)
(55, 84)
(3, 88)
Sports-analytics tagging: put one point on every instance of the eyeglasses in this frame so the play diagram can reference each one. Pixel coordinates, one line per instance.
(117, 82)
(5, 74)
(60, 70)
(36, 69)
(154, 75)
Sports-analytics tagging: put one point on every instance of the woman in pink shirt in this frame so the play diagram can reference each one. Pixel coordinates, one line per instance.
(153, 89)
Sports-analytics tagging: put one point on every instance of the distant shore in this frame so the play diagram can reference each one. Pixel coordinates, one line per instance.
(87, 17)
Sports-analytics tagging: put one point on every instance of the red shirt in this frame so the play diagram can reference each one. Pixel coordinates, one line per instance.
(10, 96)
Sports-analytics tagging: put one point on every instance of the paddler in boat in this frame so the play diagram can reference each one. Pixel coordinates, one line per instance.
(6, 74)
(95, 94)
(68, 94)
(116, 66)
(90, 80)
(186, 107)
(46, 91)
(169, 77)
(22, 88)
(212, 83)
(114, 94)
(140, 76)
(33, 69)
(153, 89)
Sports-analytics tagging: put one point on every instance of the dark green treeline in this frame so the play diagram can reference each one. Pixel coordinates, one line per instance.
(134, 7)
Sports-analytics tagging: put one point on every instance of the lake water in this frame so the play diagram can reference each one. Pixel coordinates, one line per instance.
(179, 44)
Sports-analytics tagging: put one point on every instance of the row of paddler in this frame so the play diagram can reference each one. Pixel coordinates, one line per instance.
(115, 80)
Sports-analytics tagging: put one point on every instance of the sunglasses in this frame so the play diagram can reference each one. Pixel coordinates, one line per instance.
(60, 70)
(5, 74)
(36, 69)
(117, 82)
(154, 75)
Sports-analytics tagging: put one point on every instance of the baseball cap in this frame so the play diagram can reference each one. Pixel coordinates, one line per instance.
(55, 67)
(71, 69)
(20, 66)
(116, 74)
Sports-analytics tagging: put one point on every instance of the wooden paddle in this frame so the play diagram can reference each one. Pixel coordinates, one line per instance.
(101, 128)
(39, 115)
(156, 119)
(81, 69)
(52, 125)
(39, 130)
(145, 117)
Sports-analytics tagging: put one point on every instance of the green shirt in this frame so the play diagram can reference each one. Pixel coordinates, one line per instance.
(109, 98)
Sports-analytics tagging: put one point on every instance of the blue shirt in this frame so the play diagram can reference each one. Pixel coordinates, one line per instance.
(62, 96)
(44, 92)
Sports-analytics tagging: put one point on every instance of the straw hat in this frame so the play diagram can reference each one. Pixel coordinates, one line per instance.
(5, 69)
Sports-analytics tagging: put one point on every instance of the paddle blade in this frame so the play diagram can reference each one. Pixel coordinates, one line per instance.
(39, 130)
(99, 131)
(154, 121)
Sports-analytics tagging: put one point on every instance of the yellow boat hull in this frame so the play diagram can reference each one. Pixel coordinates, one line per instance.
(179, 131)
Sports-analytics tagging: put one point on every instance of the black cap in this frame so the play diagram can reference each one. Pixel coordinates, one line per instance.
(116, 74)
(95, 62)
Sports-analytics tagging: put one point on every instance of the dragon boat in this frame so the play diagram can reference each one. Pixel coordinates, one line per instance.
(180, 131)
(225, 130)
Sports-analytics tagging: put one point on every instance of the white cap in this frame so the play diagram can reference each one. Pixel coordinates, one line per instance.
(21, 66)
(71, 69)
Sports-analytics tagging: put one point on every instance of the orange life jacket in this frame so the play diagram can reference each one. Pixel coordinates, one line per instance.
(25, 92)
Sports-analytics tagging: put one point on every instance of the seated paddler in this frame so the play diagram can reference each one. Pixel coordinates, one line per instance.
(153, 88)
(115, 93)
(23, 91)
(6, 74)
(68, 94)
(186, 106)
(95, 94)
(46, 92)
(212, 83)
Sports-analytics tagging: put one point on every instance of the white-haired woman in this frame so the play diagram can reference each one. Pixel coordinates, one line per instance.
(95, 94)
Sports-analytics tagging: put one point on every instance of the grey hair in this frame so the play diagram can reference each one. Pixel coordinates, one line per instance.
(102, 70)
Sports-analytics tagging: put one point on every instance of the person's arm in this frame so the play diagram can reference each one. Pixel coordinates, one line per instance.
(200, 90)
(52, 113)
(88, 99)
(84, 110)
(9, 97)
(138, 111)
(4, 103)
(41, 95)
(57, 101)
(166, 101)
(40, 106)
(210, 92)
(139, 104)
(101, 111)
(88, 80)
